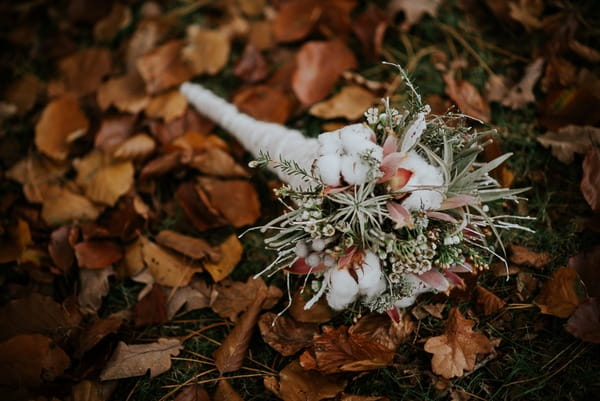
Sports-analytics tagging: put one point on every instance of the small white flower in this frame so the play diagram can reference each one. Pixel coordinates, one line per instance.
(311, 228)
(372, 115)
(328, 230)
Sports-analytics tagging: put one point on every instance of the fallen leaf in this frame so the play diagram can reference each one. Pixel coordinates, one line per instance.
(197, 295)
(148, 33)
(135, 360)
(230, 355)
(151, 309)
(226, 393)
(195, 248)
(107, 28)
(94, 286)
(207, 50)
(62, 205)
(590, 182)
(435, 310)
(350, 103)
(296, 19)
(133, 258)
(570, 140)
(561, 294)
(369, 27)
(467, 98)
(488, 302)
(190, 123)
(518, 95)
(97, 254)
(586, 265)
(236, 200)
(455, 351)
(383, 330)
(195, 392)
(163, 67)
(86, 390)
(527, 12)
(127, 93)
(61, 122)
(161, 165)
(197, 207)
(584, 323)
(146, 278)
(320, 312)
(234, 297)
(413, 10)
(137, 147)
(23, 93)
(168, 106)
(284, 334)
(113, 132)
(95, 332)
(60, 250)
(37, 173)
(166, 267)
(252, 66)
(28, 360)
(103, 179)
(81, 73)
(216, 162)
(231, 253)
(520, 255)
(264, 103)
(14, 240)
(319, 65)
(261, 34)
(526, 285)
(297, 384)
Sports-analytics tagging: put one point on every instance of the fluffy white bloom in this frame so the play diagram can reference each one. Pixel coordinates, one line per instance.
(371, 281)
(422, 184)
(343, 289)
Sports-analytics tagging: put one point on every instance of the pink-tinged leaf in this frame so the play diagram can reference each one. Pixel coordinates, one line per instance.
(399, 214)
(301, 267)
(454, 279)
(346, 260)
(390, 145)
(394, 314)
(390, 165)
(400, 179)
(442, 216)
(435, 279)
(458, 201)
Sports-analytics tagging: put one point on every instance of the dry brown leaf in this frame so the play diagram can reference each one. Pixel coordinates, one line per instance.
(467, 98)
(586, 265)
(523, 256)
(218, 163)
(151, 309)
(261, 34)
(263, 102)
(370, 27)
(414, 10)
(527, 12)
(107, 28)
(198, 208)
(296, 19)
(61, 122)
(226, 393)
(133, 258)
(94, 286)
(230, 355)
(97, 254)
(166, 267)
(195, 392)
(127, 93)
(520, 94)
(234, 297)
(252, 66)
(320, 312)
(435, 310)
(350, 103)
(86, 390)
(37, 173)
(60, 249)
(13, 241)
(82, 72)
(163, 67)
(103, 179)
(455, 351)
(319, 65)
(135, 360)
(488, 302)
(29, 360)
(570, 140)
(195, 248)
(207, 50)
(526, 285)
(61, 205)
(562, 293)
(138, 146)
(161, 165)
(168, 106)
(197, 295)
(114, 131)
(590, 182)
(23, 93)
(231, 253)
(236, 200)
(284, 334)
(584, 323)
(297, 384)
(148, 33)
(383, 330)
(95, 332)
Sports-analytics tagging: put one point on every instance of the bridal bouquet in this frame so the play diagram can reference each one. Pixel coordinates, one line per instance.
(377, 212)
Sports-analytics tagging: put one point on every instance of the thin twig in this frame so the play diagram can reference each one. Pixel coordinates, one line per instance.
(213, 380)
(176, 387)
(467, 47)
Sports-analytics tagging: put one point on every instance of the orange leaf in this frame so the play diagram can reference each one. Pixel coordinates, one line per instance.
(523, 256)
(127, 93)
(350, 103)
(82, 72)
(97, 254)
(488, 302)
(168, 106)
(231, 253)
(166, 267)
(207, 50)
(264, 103)
(467, 98)
(236, 200)
(562, 293)
(163, 67)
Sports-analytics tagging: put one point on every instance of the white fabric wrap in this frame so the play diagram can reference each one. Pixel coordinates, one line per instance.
(256, 136)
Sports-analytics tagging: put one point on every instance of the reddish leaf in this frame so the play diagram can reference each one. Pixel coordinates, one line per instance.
(236, 200)
(467, 98)
(252, 66)
(586, 265)
(97, 254)
(151, 309)
(562, 293)
(284, 334)
(295, 20)
(163, 67)
(488, 302)
(190, 122)
(264, 103)
(114, 131)
(93, 334)
(370, 27)
(197, 207)
(584, 323)
(590, 182)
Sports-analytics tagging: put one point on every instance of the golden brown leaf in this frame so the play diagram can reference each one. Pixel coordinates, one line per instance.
(455, 351)
(148, 33)
(230, 355)
(113, 132)
(127, 93)
(195, 248)
(82, 72)
(488, 302)
(61, 205)
(264, 103)
(168, 106)
(226, 393)
(236, 200)
(320, 312)
(231, 253)
(86, 390)
(138, 146)
(467, 98)
(350, 103)
(523, 256)
(30, 359)
(284, 334)
(37, 174)
(61, 122)
(383, 330)
(163, 67)
(261, 34)
(234, 297)
(14, 240)
(108, 27)
(562, 293)
(134, 258)
(135, 360)
(97, 254)
(207, 51)
(166, 267)
(23, 93)
(216, 162)
(319, 65)
(584, 323)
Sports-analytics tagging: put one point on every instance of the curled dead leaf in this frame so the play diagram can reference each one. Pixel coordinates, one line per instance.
(103, 179)
(82, 72)
(113, 132)
(234, 297)
(37, 173)
(163, 67)
(138, 146)
(94, 286)
(231, 253)
(571, 139)
(195, 248)
(562, 293)
(108, 27)
(216, 162)
(413, 11)
(320, 312)
(350, 103)
(207, 50)
(284, 334)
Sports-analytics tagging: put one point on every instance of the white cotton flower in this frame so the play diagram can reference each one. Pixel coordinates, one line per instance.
(354, 170)
(371, 281)
(330, 143)
(329, 261)
(318, 244)
(422, 184)
(330, 168)
(343, 289)
(313, 260)
(301, 249)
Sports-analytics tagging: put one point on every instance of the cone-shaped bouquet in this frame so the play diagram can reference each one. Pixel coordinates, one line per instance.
(377, 212)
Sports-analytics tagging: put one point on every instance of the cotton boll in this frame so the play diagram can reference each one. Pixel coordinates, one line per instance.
(329, 167)
(318, 244)
(358, 130)
(313, 260)
(330, 143)
(424, 175)
(343, 289)
(301, 249)
(354, 170)
(329, 261)
(370, 277)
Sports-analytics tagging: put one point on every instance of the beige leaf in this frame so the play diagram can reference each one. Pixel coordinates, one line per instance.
(166, 267)
(62, 205)
(94, 286)
(570, 140)
(168, 106)
(135, 360)
(103, 179)
(350, 103)
(231, 253)
(61, 122)
(127, 93)
(138, 146)
(197, 295)
(414, 10)
(455, 351)
(207, 51)
(37, 174)
(195, 248)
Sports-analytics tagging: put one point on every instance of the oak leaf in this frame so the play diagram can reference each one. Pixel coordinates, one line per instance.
(197, 295)
(103, 179)
(562, 293)
(350, 103)
(584, 323)
(455, 351)
(135, 360)
(284, 334)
